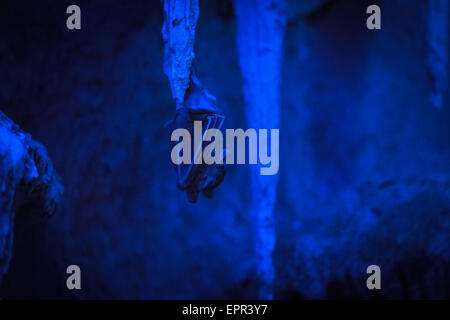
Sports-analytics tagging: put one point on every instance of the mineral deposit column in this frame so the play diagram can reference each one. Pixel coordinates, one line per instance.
(437, 41)
(180, 21)
(260, 30)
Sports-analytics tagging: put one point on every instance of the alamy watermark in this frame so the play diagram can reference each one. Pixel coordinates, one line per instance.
(74, 279)
(213, 152)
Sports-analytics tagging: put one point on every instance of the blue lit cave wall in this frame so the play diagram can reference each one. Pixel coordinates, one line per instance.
(364, 160)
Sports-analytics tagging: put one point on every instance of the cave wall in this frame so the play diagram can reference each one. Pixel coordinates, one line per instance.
(364, 158)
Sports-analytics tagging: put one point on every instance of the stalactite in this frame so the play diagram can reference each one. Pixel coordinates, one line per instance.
(180, 21)
(437, 41)
(261, 26)
(193, 101)
(178, 34)
(25, 167)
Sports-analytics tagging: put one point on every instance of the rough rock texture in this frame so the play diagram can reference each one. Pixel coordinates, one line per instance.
(364, 159)
(437, 42)
(260, 32)
(178, 32)
(180, 20)
(26, 176)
